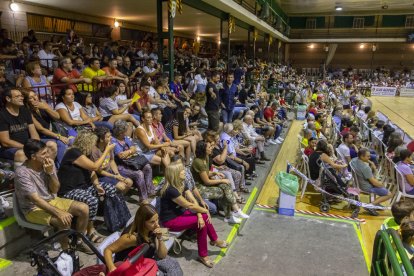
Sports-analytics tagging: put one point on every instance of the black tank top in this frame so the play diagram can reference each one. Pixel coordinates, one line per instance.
(314, 165)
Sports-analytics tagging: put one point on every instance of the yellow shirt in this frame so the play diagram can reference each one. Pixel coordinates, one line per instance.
(305, 142)
(90, 73)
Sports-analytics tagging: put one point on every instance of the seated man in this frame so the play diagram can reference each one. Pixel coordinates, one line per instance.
(95, 74)
(36, 183)
(16, 127)
(344, 148)
(65, 74)
(112, 71)
(271, 116)
(364, 170)
(250, 133)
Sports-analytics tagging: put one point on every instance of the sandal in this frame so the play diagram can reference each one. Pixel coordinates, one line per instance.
(241, 200)
(207, 263)
(95, 238)
(218, 243)
(244, 190)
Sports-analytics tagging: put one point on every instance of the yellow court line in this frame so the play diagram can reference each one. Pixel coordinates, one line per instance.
(236, 227)
(354, 224)
(4, 264)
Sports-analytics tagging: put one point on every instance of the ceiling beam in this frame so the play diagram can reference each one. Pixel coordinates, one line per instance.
(346, 40)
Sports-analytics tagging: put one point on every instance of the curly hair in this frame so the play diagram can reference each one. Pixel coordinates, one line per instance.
(85, 142)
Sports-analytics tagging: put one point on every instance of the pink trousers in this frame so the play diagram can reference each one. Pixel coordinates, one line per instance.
(189, 220)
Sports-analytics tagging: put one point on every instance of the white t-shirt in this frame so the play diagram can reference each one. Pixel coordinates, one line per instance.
(148, 70)
(43, 56)
(74, 114)
(121, 97)
(344, 150)
(345, 97)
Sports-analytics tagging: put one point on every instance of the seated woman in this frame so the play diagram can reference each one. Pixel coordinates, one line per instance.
(43, 116)
(124, 149)
(178, 214)
(148, 141)
(322, 153)
(218, 159)
(178, 129)
(86, 100)
(213, 185)
(110, 110)
(78, 180)
(122, 99)
(404, 166)
(183, 146)
(35, 78)
(108, 172)
(71, 112)
(238, 152)
(144, 229)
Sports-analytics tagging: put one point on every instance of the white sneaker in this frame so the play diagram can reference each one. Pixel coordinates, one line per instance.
(280, 138)
(273, 142)
(279, 141)
(240, 214)
(232, 220)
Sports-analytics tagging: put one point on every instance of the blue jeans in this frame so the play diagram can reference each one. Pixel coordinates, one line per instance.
(278, 131)
(238, 109)
(379, 191)
(8, 153)
(106, 124)
(227, 115)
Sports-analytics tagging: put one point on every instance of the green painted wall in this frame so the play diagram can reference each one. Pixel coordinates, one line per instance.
(344, 22)
(299, 22)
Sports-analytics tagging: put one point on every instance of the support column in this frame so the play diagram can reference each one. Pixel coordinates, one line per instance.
(165, 35)
(225, 38)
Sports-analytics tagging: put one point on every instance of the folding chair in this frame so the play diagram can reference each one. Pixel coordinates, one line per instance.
(400, 192)
(306, 172)
(356, 181)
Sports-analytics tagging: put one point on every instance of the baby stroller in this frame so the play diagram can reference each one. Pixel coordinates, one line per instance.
(332, 182)
(52, 261)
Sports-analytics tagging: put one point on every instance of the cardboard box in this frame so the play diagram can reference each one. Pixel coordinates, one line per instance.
(286, 204)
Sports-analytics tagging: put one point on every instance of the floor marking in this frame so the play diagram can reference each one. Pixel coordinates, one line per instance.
(4, 263)
(7, 222)
(236, 227)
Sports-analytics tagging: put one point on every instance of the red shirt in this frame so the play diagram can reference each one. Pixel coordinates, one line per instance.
(308, 151)
(282, 102)
(59, 75)
(269, 113)
(410, 146)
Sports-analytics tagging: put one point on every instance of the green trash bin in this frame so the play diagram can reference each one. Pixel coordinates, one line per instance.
(288, 187)
(301, 112)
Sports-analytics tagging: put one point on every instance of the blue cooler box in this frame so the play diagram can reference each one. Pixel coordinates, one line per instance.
(286, 204)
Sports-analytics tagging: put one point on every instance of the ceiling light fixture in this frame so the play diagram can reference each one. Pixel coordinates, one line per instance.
(361, 46)
(385, 6)
(219, 42)
(14, 6)
(116, 23)
(311, 46)
(198, 39)
(338, 8)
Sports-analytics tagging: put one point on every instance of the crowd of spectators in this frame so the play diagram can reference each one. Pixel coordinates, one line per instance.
(82, 128)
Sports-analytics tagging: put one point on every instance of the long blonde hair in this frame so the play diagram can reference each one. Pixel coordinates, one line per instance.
(172, 177)
(85, 142)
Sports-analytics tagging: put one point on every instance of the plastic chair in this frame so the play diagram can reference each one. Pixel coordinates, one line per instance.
(22, 222)
(355, 177)
(306, 172)
(401, 186)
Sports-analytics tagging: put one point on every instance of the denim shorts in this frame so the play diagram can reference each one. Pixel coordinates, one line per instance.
(379, 191)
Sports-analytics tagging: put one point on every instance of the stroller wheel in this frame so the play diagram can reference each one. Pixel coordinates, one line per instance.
(355, 213)
(325, 207)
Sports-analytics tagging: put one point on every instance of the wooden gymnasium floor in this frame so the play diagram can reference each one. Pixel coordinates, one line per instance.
(399, 110)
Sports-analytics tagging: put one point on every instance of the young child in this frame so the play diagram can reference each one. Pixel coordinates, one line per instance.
(399, 210)
(311, 146)
(407, 235)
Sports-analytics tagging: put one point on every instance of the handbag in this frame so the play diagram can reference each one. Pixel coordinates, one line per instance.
(135, 163)
(116, 213)
(61, 128)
